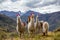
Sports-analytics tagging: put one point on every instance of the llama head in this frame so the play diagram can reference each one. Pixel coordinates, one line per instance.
(32, 14)
(17, 14)
(18, 18)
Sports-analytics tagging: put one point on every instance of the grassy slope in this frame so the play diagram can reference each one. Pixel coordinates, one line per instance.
(51, 36)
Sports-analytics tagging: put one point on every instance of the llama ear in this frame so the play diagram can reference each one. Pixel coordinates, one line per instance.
(17, 14)
(32, 13)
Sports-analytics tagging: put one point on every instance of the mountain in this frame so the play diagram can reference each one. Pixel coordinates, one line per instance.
(11, 14)
(7, 22)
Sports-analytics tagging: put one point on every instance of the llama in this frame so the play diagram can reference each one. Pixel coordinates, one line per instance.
(37, 24)
(31, 28)
(45, 28)
(20, 26)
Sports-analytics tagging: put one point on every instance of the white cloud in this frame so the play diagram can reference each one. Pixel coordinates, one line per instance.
(43, 6)
(16, 6)
(47, 9)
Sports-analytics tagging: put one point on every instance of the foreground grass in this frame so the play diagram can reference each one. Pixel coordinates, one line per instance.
(51, 36)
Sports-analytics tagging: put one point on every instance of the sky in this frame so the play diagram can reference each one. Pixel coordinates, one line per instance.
(42, 6)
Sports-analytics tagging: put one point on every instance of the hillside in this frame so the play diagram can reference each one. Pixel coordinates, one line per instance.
(7, 22)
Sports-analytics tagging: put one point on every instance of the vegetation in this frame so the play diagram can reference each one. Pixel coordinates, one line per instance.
(14, 36)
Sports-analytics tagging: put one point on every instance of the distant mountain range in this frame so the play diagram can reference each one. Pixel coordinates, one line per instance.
(10, 14)
(52, 18)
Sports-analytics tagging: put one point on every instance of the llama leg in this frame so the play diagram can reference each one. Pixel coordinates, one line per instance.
(28, 32)
(46, 32)
(20, 35)
(23, 34)
(43, 33)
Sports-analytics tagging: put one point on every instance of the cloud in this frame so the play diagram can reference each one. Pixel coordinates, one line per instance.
(41, 3)
(16, 6)
(2, 1)
(43, 6)
(13, 0)
(47, 9)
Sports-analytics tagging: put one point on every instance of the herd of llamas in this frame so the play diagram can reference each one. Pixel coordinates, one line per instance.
(32, 27)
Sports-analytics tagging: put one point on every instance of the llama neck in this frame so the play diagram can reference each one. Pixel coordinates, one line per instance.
(36, 25)
(32, 22)
(28, 19)
(37, 20)
(18, 21)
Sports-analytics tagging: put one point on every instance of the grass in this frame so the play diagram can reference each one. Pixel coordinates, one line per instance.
(14, 36)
